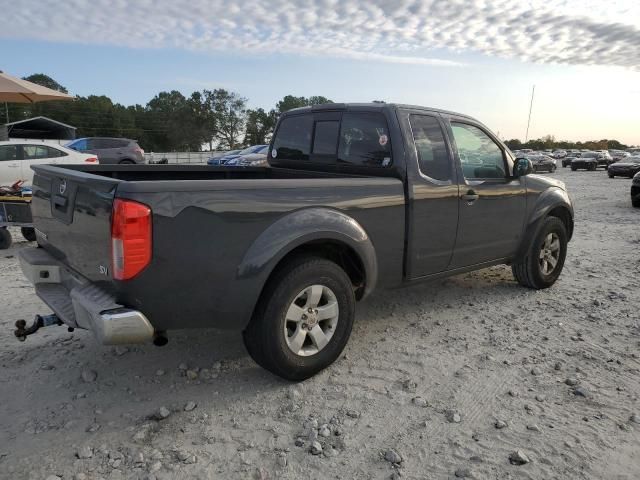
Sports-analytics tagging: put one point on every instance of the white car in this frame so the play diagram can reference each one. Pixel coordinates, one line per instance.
(16, 158)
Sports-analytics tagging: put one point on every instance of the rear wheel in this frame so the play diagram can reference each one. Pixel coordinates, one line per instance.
(573, 169)
(29, 233)
(542, 264)
(5, 239)
(126, 162)
(611, 175)
(635, 202)
(593, 167)
(303, 319)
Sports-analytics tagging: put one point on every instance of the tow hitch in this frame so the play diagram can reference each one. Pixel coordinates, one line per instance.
(22, 331)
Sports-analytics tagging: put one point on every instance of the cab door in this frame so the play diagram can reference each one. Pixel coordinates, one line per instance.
(433, 195)
(492, 204)
(9, 164)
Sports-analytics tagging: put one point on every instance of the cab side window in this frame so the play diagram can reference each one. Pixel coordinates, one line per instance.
(364, 140)
(433, 158)
(480, 156)
(8, 152)
(34, 152)
(54, 152)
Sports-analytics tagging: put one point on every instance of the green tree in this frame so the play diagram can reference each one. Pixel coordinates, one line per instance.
(230, 116)
(260, 125)
(290, 102)
(45, 81)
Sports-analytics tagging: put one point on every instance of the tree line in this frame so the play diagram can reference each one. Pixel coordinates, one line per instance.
(170, 121)
(214, 119)
(550, 142)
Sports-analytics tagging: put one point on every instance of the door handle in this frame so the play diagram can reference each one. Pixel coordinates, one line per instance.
(471, 196)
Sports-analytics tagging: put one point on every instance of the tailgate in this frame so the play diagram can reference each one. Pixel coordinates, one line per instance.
(72, 216)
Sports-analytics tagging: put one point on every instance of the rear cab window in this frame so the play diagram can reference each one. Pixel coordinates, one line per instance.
(338, 140)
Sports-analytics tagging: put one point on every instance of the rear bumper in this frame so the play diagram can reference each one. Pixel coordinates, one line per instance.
(79, 303)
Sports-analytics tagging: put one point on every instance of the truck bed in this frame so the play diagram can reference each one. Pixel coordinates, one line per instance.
(216, 231)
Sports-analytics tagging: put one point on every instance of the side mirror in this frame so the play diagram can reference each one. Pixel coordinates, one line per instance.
(522, 167)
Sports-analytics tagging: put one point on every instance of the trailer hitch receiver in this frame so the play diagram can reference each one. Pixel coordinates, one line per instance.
(22, 331)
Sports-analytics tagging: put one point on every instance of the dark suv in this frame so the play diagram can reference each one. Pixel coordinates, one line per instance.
(110, 150)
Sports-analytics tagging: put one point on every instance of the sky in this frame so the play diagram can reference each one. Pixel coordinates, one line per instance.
(478, 57)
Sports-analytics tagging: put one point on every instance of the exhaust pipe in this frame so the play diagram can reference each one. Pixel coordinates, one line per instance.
(160, 339)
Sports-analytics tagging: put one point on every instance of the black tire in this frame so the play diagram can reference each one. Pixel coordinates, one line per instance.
(5, 239)
(126, 162)
(264, 337)
(611, 175)
(573, 169)
(635, 202)
(593, 167)
(527, 270)
(29, 233)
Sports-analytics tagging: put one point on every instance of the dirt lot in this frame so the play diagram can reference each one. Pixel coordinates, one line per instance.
(453, 376)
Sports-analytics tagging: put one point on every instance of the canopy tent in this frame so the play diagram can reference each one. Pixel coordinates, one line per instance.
(42, 128)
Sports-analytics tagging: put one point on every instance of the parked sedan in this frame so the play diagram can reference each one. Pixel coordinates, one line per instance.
(635, 190)
(218, 158)
(618, 155)
(16, 158)
(590, 161)
(227, 158)
(625, 168)
(566, 161)
(256, 159)
(542, 163)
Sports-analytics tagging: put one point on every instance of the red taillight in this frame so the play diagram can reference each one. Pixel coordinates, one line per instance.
(91, 160)
(130, 238)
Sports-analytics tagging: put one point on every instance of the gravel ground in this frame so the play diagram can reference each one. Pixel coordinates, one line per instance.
(470, 377)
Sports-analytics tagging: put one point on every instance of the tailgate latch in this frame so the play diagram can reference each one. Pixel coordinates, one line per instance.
(22, 331)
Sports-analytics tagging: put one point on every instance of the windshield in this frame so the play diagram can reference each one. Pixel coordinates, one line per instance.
(590, 155)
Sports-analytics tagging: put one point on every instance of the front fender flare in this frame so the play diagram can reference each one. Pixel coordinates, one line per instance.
(301, 227)
(548, 201)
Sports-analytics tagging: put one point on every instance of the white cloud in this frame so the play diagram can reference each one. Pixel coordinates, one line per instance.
(579, 32)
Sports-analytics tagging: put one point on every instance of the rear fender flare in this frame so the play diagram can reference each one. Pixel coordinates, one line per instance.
(302, 227)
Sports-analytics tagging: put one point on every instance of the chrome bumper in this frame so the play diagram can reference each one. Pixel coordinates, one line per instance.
(81, 304)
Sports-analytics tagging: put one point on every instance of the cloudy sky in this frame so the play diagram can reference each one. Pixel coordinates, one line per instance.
(477, 57)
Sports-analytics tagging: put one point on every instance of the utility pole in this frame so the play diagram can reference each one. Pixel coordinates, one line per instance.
(526, 137)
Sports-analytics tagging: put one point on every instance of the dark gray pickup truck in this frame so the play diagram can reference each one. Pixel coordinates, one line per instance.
(357, 197)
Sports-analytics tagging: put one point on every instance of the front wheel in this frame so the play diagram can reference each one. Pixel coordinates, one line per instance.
(542, 264)
(303, 319)
(611, 175)
(573, 169)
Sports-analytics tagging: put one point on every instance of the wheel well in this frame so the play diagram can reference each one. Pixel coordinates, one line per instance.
(564, 215)
(337, 252)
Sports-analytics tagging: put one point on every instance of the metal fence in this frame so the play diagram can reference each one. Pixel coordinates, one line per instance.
(178, 157)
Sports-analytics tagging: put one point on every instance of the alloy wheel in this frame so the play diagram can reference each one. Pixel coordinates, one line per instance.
(311, 320)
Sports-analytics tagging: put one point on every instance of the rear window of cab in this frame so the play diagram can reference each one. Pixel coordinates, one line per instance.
(359, 139)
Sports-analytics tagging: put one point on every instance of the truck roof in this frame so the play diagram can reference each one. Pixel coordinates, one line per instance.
(370, 106)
